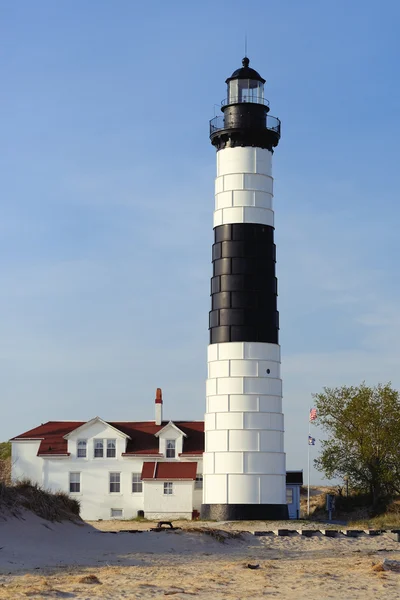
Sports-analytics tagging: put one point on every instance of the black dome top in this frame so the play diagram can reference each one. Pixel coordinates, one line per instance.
(245, 72)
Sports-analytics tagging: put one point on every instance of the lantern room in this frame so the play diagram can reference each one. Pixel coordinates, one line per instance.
(245, 85)
(245, 120)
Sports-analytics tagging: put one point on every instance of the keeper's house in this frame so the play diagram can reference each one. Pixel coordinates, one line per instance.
(124, 469)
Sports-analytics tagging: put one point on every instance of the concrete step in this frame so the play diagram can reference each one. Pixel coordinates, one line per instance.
(284, 532)
(330, 532)
(394, 535)
(307, 532)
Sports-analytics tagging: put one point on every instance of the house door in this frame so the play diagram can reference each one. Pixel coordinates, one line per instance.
(291, 501)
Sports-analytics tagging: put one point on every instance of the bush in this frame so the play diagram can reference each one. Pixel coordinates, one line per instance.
(358, 501)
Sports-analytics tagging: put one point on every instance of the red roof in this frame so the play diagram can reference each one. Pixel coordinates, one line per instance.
(143, 440)
(142, 434)
(169, 470)
(52, 436)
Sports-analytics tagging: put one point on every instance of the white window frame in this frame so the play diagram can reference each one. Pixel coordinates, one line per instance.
(95, 442)
(198, 484)
(78, 450)
(172, 443)
(168, 488)
(117, 482)
(113, 448)
(71, 474)
(121, 516)
(137, 482)
(290, 493)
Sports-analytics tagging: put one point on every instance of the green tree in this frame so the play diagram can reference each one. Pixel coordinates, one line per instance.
(363, 427)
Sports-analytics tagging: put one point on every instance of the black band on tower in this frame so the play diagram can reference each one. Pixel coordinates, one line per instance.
(244, 286)
(244, 512)
(245, 125)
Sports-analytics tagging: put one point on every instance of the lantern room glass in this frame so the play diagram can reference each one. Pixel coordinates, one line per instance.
(245, 90)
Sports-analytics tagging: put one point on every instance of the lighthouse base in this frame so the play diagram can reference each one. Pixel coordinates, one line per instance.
(244, 512)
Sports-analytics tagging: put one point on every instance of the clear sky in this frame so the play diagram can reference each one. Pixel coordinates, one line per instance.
(106, 194)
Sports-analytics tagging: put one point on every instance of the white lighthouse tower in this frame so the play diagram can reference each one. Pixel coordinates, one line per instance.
(244, 467)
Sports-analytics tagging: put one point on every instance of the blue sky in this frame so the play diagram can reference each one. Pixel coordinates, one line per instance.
(106, 193)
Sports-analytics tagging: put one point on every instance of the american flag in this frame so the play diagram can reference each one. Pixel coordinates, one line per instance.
(311, 441)
(313, 414)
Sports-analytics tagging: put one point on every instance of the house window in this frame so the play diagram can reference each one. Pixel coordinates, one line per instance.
(170, 449)
(115, 483)
(289, 495)
(75, 483)
(81, 449)
(137, 483)
(111, 448)
(198, 484)
(117, 513)
(98, 448)
(168, 488)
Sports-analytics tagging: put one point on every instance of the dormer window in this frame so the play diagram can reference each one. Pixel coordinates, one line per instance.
(81, 448)
(171, 441)
(170, 449)
(111, 448)
(98, 448)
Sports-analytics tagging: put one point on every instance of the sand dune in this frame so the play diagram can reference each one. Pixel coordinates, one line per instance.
(39, 559)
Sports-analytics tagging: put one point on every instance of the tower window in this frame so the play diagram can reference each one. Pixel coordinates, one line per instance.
(245, 90)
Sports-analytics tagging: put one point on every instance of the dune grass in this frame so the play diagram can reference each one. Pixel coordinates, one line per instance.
(390, 519)
(53, 506)
(356, 509)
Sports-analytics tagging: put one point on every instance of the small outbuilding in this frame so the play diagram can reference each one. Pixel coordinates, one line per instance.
(294, 481)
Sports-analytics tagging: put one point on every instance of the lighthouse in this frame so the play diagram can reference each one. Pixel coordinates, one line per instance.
(244, 471)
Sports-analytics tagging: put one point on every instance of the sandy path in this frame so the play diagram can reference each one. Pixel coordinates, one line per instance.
(117, 525)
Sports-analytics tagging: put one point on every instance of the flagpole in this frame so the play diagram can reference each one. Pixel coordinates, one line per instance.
(308, 456)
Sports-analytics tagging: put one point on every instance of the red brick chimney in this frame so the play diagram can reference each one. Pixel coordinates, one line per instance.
(159, 403)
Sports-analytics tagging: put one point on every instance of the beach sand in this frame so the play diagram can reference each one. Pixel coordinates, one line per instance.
(39, 559)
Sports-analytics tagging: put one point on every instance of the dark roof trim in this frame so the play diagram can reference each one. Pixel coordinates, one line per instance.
(142, 455)
(52, 455)
(294, 477)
